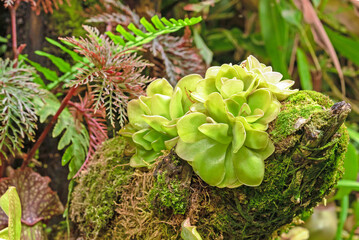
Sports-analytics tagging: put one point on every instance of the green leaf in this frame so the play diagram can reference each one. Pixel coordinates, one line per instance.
(216, 108)
(290, 14)
(354, 135)
(61, 64)
(4, 234)
(343, 216)
(187, 127)
(348, 47)
(205, 52)
(49, 74)
(73, 54)
(248, 166)
(163, 27)
(189, 232)
(352, 185)
(303, 70)
(209, 162)
(216, 131)
(10, 203)
(351, 163)
(316, 3)
(275, 33)
(351, 170)
(159, 86)
(66, 138)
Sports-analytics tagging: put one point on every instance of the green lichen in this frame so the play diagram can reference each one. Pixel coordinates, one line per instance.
(94, 198)
(168, 197)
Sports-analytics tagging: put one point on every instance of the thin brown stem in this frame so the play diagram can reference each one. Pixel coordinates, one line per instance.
(43, 135)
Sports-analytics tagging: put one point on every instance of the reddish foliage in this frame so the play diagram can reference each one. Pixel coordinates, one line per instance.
(114, 75)
(95, 121)
(38, 201)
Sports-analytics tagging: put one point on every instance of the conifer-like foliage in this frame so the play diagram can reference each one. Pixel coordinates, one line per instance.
(17, 112)
(112, 73)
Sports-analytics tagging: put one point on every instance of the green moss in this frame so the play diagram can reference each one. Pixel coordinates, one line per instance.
(168, 197)
(68, 19)
(94, 198)
(153, 203)
(300, 105)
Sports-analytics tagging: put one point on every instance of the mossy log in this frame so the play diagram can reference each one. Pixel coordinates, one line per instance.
(114, 201)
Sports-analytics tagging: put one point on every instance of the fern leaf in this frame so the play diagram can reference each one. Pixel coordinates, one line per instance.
(17, 110)
(49, 74)
(75, 138)
(61, 64)
(112, 73)
(154, 28)
(73, 55)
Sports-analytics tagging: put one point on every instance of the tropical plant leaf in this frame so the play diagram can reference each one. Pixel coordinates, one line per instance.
(304, 71)
(38, 201)
(154, 29)
(10, 204)
(275, 33)
(75, 137)
(346, 46)
(173, 57)
(113, 73)
(17, 112)
(95, 122)
(351, 172)
(61, 64)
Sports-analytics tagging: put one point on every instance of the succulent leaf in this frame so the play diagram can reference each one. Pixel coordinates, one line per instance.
(218, 124)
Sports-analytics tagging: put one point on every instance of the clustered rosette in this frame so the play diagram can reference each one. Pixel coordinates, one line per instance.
(218, 124)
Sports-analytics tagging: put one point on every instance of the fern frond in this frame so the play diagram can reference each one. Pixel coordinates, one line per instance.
(74, 136)
(95, 122)
(17, 112)
(173, 57)
(112, 73)
(154, 28)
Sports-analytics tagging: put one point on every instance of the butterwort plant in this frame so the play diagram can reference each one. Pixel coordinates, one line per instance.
(217, 123)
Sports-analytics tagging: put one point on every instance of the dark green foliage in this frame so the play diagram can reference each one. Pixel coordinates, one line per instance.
(17, 111)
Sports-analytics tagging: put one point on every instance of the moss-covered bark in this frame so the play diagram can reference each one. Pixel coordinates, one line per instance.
(152, 204)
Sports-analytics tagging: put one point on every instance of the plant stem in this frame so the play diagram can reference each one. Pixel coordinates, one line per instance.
(48, 127)
(13, 28)
(13, 31)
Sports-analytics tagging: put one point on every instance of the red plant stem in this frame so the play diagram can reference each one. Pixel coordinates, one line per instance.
(13, 31)
(13, 28)
(43, 135)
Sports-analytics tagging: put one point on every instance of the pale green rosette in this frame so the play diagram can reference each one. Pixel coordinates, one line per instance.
(218, 123)
(269, 79)
(226, 142)
(153, 118)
